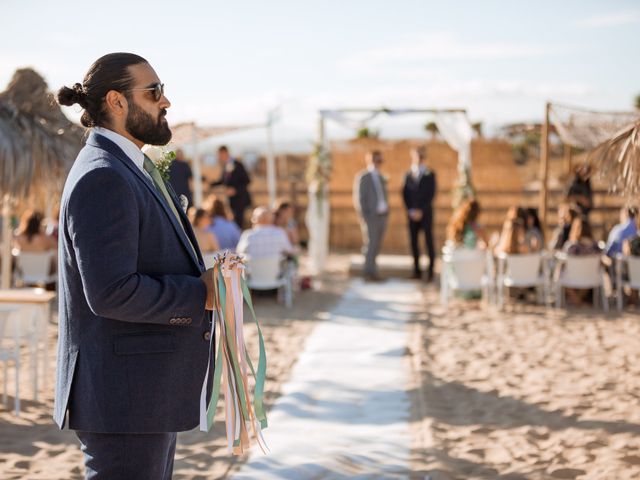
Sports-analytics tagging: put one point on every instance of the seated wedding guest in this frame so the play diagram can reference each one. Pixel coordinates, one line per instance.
(200, 221)
(463, 229)
(533, 231)
(264, 239)
(226, 231)
(624, 230)
(512, 238)
(566, 215)
(631, 247)
(283, 218)
(581, 241)
(514, 215)
(30, 237)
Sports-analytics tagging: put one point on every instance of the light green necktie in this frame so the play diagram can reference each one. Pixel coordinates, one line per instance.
(151, 168)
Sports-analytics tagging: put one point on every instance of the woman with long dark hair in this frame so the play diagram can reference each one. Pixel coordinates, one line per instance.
(30, 237)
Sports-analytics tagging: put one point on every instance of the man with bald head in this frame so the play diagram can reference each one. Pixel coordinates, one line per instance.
(264, 240)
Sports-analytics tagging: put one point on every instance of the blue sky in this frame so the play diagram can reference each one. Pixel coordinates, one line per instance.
(229, 62)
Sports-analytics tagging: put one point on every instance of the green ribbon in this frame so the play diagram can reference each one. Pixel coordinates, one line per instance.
(262, 362)
(229, 342)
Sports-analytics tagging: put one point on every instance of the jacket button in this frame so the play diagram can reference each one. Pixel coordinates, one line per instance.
(207, 336)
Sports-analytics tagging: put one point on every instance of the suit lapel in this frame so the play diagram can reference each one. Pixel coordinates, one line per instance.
(105, 144)
(185, 220)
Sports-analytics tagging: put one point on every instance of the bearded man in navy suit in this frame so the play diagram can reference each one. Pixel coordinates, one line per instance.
(134, 319)
(418, 192)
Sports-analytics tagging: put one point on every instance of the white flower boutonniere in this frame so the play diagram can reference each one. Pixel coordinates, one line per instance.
(184, 202)
(162, 158)
(164, 163)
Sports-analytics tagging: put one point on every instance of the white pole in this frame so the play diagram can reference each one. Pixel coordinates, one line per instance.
(6, 243)
(271, 164)
(197, 168)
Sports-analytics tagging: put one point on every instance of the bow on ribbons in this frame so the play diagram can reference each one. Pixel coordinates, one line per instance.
(244, 418)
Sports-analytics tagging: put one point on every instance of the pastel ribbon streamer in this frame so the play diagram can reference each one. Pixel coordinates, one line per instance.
(244, 419)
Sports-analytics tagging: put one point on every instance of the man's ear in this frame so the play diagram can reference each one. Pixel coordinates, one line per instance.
(116, 103)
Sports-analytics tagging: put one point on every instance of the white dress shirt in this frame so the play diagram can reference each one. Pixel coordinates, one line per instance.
(417, 171)
(129, 148)
(264, 241)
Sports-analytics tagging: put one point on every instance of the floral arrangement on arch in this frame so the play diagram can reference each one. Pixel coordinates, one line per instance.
(319, 173)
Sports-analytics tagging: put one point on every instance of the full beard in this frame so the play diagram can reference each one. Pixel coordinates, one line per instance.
(142, 126)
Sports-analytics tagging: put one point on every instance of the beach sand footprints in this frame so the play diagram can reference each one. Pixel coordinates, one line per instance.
(526, 394)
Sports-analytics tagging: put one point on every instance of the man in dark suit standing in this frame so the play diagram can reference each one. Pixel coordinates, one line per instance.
(418, 192)
(236, 180)
(134, 326)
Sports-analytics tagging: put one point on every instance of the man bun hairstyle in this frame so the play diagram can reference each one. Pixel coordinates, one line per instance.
(110, 72)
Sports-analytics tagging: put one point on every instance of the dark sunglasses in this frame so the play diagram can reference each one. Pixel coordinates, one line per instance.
(157, 88)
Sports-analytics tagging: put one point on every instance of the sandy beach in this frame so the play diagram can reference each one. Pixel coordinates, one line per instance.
(525, 394)
(32, 447)
(520, 394)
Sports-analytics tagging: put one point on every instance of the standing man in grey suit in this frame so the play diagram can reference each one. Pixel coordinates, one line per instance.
(370, 200)
(134, 325)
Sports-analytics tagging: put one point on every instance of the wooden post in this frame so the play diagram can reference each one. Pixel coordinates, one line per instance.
(196, 164)
(271, 164)
(544, 169)
(568, 158)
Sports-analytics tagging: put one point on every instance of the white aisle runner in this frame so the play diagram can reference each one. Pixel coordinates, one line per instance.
(345, 412)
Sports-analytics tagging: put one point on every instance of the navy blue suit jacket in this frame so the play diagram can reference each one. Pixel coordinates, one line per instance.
(419, 193)
(132, 351)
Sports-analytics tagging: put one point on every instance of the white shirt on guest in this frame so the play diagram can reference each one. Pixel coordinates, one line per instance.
(263, 241)
(129, 148)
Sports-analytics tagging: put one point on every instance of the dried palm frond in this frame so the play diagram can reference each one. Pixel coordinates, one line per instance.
(37, 142)
(30, 153)
(617, 161)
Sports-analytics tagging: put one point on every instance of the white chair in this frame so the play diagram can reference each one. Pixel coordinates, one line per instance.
(34, 268)
(522, 271)
(10, 351)
(463, 270)
(16, 324)
(579, 272)
(633, 271)
(268, 274)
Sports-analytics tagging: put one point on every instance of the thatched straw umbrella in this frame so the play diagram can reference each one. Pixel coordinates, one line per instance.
(618, 161)
(37, 146)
